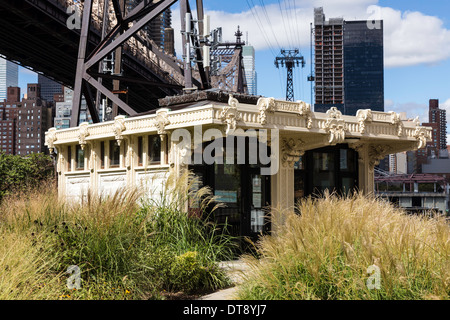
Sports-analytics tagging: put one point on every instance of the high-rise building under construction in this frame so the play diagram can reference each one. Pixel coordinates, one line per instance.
(349, 64)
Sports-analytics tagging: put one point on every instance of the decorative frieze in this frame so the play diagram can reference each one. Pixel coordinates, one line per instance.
(230, 115)
(396, 121)
(119, 128)
(50, 138)
(364, 117)
(291, 117)
(421, 134)
(265, 105)
(161, 121)
(270, 105)
(335, 126)
(83, 133)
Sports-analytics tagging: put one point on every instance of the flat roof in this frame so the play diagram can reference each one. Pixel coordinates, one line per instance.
(420, 178)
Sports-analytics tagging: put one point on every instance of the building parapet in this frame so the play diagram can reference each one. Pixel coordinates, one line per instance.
(269, 113)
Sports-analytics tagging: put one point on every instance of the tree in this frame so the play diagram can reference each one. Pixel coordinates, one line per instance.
(19, 173)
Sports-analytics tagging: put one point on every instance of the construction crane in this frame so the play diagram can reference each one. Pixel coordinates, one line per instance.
(290, 59)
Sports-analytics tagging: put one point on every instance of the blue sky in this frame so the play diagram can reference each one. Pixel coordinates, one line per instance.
(417, 44)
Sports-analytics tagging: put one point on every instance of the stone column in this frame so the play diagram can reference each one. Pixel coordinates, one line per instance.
(282, 183)
(93, 164)
(369, 156)
(130, 161)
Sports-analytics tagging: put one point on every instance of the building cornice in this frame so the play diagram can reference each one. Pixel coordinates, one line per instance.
(269, 113)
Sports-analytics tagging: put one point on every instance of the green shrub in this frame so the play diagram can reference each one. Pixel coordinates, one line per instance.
(19, 174)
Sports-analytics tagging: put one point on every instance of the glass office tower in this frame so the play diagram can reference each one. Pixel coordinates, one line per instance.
(248, 57)
(9, 77)
(363, 67)
(49, 88)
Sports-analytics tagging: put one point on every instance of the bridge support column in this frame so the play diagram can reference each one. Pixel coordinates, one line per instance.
(80, 63)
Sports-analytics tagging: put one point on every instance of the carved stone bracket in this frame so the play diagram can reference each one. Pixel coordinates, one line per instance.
(161, 121)
(119, 128)
(291, 151)
(364, 117)
(230, 115)
(421, 134)
(335, 126)
(396, 121)
(358, 147)
(50, 139)
(305, 111)
(265, 105)
(83, 133)
(377, 153)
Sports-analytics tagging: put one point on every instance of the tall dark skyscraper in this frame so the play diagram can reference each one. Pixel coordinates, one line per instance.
(349, 64)
(49, 88)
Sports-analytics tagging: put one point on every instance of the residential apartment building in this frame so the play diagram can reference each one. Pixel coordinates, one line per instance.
(437, 146)
(34, 118)
(437, 119)
(23, 123)
(8, 115)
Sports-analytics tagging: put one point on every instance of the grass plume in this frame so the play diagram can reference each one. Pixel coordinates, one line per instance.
(326, 250)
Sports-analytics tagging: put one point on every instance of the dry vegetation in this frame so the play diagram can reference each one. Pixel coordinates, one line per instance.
(326, 250)
(125, 247)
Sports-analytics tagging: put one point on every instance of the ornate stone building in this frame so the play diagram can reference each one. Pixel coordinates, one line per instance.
(252, 151)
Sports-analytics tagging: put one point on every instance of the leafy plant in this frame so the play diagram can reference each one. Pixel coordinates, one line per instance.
(18, 174)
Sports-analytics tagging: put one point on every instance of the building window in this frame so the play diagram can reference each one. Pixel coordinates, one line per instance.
(102, 154)
(154, 149)
(69, 158)
(334, 169)
(416, 202)
(140, 152)
(114, 154)
(299, 180)
(79, 158)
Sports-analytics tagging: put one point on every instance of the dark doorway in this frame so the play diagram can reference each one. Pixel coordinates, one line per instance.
(244, 192)
(332, 168)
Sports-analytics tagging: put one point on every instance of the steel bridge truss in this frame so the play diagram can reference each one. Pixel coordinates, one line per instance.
(128, 24)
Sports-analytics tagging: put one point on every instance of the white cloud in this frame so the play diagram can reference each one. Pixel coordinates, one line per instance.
(410, 38)
(412, 110)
